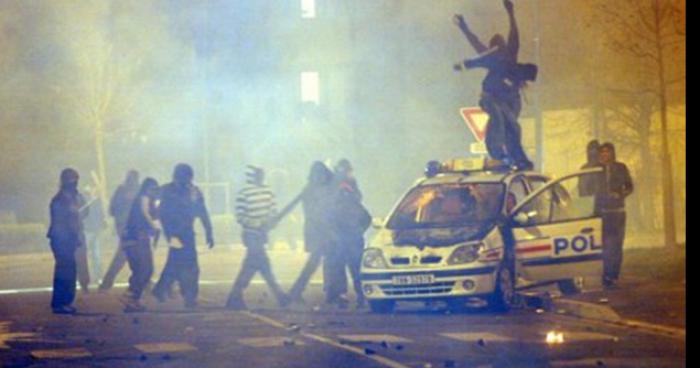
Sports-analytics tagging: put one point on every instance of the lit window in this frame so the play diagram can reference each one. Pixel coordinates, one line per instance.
(310, 87)
(308, 9)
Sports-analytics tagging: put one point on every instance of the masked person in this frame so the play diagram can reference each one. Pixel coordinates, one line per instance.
(66, 236)
(500, 96)
(318, 201)
(141, 228)
(352, 220)
(255, 209)
(616, 184)
(181, 202)
(119, 207)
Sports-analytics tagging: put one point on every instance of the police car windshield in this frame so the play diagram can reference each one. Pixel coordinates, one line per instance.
(449, 205)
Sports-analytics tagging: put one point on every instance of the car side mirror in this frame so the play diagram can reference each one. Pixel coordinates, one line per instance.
(521, 218)
(377, 222)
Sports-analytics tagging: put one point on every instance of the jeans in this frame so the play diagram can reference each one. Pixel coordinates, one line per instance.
(256, 260)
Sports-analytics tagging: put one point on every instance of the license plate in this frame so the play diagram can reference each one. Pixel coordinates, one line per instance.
(413, 280)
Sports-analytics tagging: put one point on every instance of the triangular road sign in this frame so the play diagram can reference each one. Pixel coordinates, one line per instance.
(476, 120)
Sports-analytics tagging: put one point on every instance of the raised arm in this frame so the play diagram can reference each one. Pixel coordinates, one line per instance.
(513, 35)
(478, 46)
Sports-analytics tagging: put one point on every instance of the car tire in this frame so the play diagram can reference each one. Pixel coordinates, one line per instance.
(503, 297)
(382, 306)
(568, 287)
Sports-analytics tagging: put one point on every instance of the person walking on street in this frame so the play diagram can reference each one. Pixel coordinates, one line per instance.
(141, 229)
(616, 185)
(500, 96)
(352, 220)
(119, 207)
(255, 209)
(181, 203)
(318, 201)
(66, 236)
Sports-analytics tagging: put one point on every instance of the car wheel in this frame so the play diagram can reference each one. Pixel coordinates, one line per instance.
(503, 296)
(382, 306)
(568, 287)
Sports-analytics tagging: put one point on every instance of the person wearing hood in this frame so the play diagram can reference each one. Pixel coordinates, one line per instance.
(119, 207)
(500, 97)
(587, 184)
(614, 186)
(67, 210)
(351, 221)
(140, 232)
(181, 203)
(318, 202)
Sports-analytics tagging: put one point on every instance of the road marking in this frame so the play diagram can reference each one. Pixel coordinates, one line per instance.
(269, 342)
(71, 353)
(379, 359)
(165, 347)
(6, 335)
(477, 336)
(373, 339)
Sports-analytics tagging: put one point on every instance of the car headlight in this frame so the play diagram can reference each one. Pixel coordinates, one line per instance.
(464, 254)
(373, 258)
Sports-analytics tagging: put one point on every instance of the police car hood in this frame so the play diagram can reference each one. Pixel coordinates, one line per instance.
(440, 237)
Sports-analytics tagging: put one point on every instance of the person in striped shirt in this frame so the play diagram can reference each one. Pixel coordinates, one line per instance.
(255, 212)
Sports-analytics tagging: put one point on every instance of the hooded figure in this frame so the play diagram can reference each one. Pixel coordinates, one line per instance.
(351, 221)
(587, 184)
(318, 202)
(119, 207)
(500, 96)
(614, 186)
(66, 235)
(181, 203)
(141, 228)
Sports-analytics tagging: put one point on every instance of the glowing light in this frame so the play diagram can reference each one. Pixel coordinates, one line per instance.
(554, 337)
(310, 91)
(308, 9)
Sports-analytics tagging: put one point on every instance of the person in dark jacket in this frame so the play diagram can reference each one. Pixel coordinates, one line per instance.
(587, 185)
(615, 185)
(66, 235)
(181, 203)
(255, 210)
(119, 207)
(141, 228)
(500, 96)
(352, 220)
(318, 201)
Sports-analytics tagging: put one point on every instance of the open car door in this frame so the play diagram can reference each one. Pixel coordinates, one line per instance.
(557, 233)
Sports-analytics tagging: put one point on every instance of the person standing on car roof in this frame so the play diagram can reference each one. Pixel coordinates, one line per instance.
(614, 186)
(500, 96)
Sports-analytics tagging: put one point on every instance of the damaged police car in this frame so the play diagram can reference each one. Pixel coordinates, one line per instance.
(469, 231)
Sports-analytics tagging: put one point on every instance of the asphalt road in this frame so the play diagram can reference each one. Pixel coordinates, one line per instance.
(313, 336)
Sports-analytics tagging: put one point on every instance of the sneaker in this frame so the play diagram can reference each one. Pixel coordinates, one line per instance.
(236, 305)
(134, 307)
(65, 309)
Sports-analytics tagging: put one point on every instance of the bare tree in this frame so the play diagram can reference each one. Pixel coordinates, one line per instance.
(652, 34)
